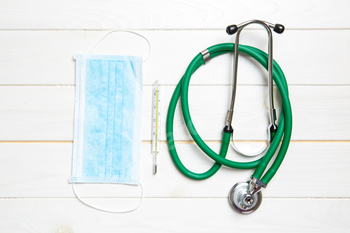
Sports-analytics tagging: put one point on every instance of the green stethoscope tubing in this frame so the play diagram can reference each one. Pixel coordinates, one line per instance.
(283, 133)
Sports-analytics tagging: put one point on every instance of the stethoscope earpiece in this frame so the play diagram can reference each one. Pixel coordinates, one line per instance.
(232, 29)
(279, 28)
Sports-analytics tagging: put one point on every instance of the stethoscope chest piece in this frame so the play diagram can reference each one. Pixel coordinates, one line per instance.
(242, 200)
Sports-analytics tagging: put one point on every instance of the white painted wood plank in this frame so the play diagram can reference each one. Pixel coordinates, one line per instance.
(175, 215)
(46, 113)
(25, 113)
(319, 113)
(154, 14)
(45, 57)
(42, 170)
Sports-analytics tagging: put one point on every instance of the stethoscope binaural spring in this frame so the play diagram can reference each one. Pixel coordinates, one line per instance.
(232, 29)
(245, 197)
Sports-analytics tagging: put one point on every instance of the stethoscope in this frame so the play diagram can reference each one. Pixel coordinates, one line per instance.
(245, 197)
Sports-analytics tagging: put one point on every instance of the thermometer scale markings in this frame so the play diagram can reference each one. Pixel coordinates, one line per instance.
(156, 127)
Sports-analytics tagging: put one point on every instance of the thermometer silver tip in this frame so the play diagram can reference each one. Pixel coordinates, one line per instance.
(154, 169)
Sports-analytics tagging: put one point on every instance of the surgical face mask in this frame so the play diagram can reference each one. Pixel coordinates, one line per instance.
(107, 121)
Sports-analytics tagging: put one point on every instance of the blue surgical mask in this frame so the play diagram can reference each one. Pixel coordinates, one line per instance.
(108, 120)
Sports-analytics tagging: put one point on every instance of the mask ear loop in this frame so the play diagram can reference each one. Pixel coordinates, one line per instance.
(148, 55)
(119, 30)
(111, 211)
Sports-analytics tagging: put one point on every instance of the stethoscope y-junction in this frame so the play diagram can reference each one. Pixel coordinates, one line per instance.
(245, 197)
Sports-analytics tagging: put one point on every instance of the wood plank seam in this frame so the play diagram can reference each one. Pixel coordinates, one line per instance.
(167, 29)
(191, 142)
(179, 198)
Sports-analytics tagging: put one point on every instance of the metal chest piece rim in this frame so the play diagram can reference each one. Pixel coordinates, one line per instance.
(242, 201)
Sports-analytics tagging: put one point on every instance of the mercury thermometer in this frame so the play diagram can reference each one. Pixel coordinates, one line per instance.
(155, 126)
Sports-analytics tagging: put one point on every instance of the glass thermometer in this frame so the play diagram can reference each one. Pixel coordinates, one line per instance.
(155, 126)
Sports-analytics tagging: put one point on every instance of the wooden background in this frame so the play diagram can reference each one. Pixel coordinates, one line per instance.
(311, 191)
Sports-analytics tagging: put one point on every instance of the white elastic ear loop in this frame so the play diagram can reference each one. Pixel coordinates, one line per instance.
(259, 152)
(111, 211)
(120, 30)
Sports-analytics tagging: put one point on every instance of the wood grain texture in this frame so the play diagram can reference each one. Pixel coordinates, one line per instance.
(179, 14)
(46, 113)
(174, 215)
(310, 193)
(42, 170)
(45, 57)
